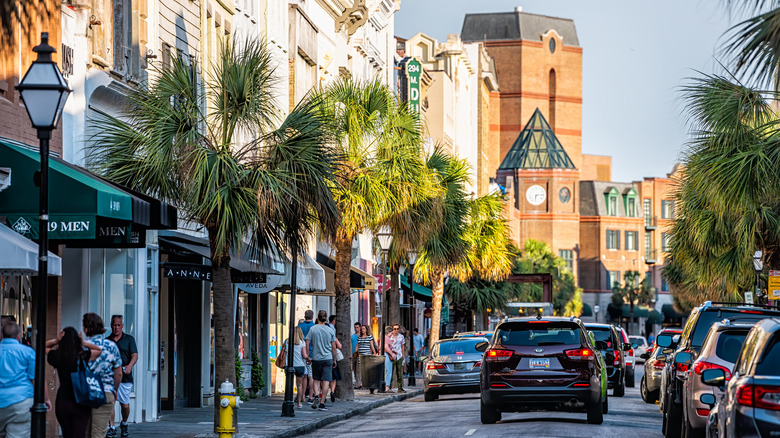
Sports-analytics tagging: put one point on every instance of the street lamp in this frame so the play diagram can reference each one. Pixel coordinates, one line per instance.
(44, 91)
(412, 369)
(385, 238)
(758, 264)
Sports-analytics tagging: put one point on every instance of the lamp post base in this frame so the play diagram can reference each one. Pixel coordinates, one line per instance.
(382, 386)
(288, 409)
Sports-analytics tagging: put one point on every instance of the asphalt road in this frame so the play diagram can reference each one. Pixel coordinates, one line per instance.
(453, 416)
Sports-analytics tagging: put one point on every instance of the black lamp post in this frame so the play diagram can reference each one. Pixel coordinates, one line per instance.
(288, 405)
(385, 238)
(758, 264)
(44, 91)
(412, 366)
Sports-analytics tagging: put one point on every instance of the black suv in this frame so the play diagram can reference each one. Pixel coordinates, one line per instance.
(613, 354)
(691, 340)
(542, 364)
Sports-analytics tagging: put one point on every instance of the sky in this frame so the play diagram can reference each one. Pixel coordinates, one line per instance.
(636, 56)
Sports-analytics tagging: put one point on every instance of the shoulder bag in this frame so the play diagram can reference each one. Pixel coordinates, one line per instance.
(281, 358)
(87, 387)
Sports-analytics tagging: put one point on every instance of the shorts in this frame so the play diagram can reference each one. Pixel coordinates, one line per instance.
(300, 371)
(322, 370)
(123, 393)
(308, 370)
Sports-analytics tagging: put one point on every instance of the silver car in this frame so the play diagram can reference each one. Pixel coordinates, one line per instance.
(719, 351)
(655, 361)
(640, 345)
(453, 367)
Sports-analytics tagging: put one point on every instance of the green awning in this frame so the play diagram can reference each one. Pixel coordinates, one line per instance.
(586, 310)
(639, 311)
(77, 201)
(420, 292)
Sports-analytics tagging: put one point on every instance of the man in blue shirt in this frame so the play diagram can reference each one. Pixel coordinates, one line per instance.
(354, 361)
(17, 371)
(305, 326)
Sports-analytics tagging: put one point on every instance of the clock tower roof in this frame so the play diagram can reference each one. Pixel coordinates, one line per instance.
(537, 147)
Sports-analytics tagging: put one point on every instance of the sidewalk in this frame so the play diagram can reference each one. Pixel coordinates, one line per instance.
(261, 417)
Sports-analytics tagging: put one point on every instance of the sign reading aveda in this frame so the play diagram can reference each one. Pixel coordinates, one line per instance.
(413, 74)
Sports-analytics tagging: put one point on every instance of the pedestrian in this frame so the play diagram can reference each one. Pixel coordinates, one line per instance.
(300, 358)
(129, 353)
(395, 351)
(365, 345)
(354, 361)
(388, 362)
(339, 358)
(322, 341)
(307, 324)
(427, 341)
(108, 366)
(64, 353)
(419, 348)
(17, 372)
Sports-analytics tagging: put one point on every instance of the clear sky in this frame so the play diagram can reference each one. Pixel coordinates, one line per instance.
(636, 55)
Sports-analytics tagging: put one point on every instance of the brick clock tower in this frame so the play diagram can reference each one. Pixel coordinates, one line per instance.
(538, 63)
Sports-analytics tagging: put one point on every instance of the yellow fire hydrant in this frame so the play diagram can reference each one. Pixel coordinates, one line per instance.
(228, 401)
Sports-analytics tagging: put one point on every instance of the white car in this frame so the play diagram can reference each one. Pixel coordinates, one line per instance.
(630, 383)
(640, 345)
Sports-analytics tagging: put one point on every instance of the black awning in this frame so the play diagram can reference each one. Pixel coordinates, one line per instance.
(238, 262)
(356, 280)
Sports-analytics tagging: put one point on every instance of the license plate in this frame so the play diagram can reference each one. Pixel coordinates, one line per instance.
(461, 366)
(539, 363)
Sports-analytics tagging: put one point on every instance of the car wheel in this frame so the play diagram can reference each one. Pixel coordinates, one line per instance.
(649, 397)
(605, 405)
(630, 378)
(620, 389)
(595, 414)
(430, 396)
(488, 414)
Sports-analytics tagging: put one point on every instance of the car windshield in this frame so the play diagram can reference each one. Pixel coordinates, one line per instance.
(636, 341)
(537, 334)
(466, 346)
(729, 345)
(706, 319)
(604, 335)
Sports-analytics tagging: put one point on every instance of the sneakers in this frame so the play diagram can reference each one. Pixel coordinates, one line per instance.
(333, 397)
(111, 433)
(308, 400)
(315, 403)
(322, 407)
(123, 428)
(401, 390)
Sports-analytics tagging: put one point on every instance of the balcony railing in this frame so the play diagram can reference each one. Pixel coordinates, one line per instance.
(651, 256)
(651, 222)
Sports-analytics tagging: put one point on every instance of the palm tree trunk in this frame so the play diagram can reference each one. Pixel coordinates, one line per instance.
(393, 297)
(344, 387)
(224, 320)
(437, 282)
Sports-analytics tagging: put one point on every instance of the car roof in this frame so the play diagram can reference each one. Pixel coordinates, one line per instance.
(466, 338)
(597, 325)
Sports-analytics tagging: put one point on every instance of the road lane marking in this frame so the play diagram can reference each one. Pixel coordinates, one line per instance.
(471, 432)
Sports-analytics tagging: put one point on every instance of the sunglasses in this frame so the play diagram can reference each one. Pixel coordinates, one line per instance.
(395, 329)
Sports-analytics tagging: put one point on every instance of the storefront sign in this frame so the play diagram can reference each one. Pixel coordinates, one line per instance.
(60, 227)
(413, 74)
(271, 282)
(773, 288)
(184, 271)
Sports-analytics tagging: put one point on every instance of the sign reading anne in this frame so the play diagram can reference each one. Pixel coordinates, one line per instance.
(413, 74)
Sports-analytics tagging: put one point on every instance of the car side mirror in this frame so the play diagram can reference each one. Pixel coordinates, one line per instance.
(482, 346)
(664, 341)
(626, 347)
(683, 358)
(601, 345)
(644, 356)
(713, 377)
(661, 358)
(708, 399)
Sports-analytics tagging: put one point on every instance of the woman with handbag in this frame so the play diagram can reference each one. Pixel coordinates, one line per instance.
(299, 356)
(64, 353)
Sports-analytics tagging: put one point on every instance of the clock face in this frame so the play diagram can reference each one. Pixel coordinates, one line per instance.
(564, 195)
(535, 194)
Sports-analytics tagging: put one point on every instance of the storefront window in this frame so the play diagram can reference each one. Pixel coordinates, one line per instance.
(16, 302)
(111, 285)
(242, 327)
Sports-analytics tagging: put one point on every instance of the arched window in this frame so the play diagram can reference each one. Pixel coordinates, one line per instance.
(552, 91)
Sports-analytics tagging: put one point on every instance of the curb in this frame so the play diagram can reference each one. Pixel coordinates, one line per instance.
(306, 428)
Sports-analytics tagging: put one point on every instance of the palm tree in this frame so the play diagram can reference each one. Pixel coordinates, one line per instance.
(470, 238)
(754, 44)
(378, 140)
(178, 141)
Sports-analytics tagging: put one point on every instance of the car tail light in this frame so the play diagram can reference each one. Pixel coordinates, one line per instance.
(617, 357)
(434, 366)
(703, 412)
(759, 396)
(581, 384)
(498, 355)
(537, 322)
(478, 364)
(701, 366)
(499, 385)
(755, 312)
(580, 354)
(631, 352)
(659, 365)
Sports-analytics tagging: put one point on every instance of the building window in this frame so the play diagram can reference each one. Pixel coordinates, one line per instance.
(611, 201)
(631, 240)
(649, 278)
(648, 208)
(613, 239)
(631, 206)
(568, 256)
(664, 284)
(613, 279)
(665, 238)
(667, 209)
(648, 241)
(612, 206)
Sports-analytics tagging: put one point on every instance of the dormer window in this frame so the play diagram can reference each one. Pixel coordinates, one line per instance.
(611, 201)
(630, 200)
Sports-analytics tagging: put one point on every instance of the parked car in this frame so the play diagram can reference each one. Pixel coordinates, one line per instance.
(629, 355)
(543, 364)
(612, 352)
(452, 368)
(751, 403)
(694, 332)
(487, 335)
(640, 346)
(719, 351)
(655, 361)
